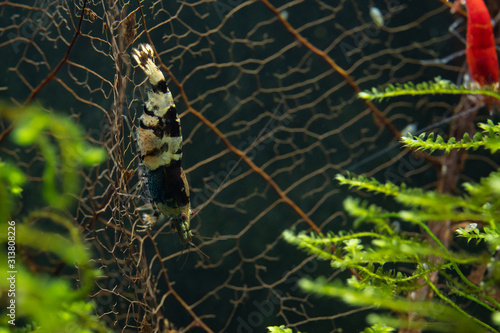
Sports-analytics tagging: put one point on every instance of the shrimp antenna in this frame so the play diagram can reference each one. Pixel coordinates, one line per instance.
(189, 251)
(187, 256)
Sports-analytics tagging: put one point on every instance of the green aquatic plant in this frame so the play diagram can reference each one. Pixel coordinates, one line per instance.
(49, 303)
(62, 144)
(398, 263)
(373, 329)
(437, 87)
(11, 181)
(49, 276)
(373, 254)
(489, 139)
(280, 329)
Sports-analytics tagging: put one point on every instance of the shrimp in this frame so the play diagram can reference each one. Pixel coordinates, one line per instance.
(159, 140)
(481, 54)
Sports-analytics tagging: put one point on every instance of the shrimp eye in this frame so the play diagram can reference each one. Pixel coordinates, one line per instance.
(183, 217)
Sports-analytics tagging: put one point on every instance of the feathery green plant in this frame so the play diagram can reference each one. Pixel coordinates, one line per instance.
(437, 87)
(490, 139)
(369, 253)
(392, 266)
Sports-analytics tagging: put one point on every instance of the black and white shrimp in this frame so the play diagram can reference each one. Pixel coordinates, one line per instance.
(159, 141)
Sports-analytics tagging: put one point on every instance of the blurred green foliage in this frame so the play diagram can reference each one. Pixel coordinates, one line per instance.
(45, 302)
(62, 144)
(11, 181)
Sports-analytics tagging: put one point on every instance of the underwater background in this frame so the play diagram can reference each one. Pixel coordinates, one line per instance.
(239, 67)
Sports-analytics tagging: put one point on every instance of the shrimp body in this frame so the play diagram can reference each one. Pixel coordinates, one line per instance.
(481, 53)
(159, 141)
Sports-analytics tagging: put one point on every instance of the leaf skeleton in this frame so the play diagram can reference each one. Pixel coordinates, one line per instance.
(159, 144)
